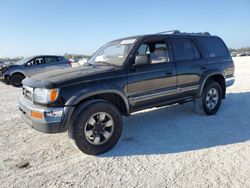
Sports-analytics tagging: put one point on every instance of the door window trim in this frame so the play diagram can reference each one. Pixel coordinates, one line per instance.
(153, 38)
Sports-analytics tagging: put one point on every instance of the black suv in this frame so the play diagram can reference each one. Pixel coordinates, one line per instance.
(125, 76)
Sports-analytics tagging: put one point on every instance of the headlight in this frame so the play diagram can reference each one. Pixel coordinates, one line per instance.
(45, 96)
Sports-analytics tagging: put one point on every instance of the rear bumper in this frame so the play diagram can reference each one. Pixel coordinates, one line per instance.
(230, 81)
(52, 120)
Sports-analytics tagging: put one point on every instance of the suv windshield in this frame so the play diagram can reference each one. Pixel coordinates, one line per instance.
(113, 53)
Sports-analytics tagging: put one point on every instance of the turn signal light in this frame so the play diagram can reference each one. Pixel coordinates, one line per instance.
(37, 115)
(53, 95)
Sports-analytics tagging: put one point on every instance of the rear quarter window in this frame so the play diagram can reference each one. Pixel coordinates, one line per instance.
(214, 46)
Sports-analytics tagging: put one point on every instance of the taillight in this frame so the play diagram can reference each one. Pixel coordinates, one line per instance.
(70, 63)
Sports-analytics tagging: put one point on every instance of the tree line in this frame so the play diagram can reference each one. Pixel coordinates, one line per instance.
(67, 55)
(240, 50)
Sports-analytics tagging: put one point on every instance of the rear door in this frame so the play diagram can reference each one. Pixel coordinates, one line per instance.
(155, 82)
(55, 63)
(188, 66)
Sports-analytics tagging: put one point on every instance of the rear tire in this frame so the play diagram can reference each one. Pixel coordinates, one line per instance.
(97, 128)
(210, 101)
(16, 80)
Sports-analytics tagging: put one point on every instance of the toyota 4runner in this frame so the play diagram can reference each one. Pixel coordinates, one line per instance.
(125, 76)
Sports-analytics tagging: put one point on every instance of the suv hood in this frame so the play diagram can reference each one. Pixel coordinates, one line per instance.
(57, 78)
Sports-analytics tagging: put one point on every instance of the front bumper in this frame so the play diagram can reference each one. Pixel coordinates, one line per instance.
(1, 76)
(230, 81)
(51, 122)
(4, 78)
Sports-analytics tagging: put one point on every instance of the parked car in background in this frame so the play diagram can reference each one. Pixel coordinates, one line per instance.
(233, 54)
(76, 63)
(82, 61)
(242, 54)
(14, 73)
(1, 63)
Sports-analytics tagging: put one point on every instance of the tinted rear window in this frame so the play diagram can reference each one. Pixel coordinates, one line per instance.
(214, 46)
(185, 50)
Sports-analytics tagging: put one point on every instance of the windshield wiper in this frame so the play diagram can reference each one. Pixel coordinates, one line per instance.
(89, 64)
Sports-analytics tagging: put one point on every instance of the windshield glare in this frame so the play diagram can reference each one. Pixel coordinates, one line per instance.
(113, 53)
(23, 61)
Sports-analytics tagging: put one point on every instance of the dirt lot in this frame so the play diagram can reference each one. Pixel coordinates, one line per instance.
(164, 147)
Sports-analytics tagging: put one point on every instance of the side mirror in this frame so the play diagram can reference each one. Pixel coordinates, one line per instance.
(142, 59)
(28, 64)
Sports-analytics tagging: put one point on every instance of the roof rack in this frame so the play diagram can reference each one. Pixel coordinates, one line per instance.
(178, 32)
(202, 33)
(170, 31)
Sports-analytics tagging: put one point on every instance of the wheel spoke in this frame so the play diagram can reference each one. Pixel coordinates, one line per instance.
(109, 123)
(207, 99)
(102, 116)
(106, 134)
(92, 121)
(97, 139)
(89, 133)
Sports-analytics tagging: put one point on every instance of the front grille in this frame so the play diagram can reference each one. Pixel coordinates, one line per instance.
(28, 93)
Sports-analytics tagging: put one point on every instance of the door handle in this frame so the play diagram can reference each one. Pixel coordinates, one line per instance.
(203, 67)
(169, 72)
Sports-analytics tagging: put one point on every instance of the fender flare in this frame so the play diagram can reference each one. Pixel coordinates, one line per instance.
(70, 113)
(204, 80)
(83, 94)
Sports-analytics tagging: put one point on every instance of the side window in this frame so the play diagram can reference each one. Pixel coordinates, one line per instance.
(36, 61)
(185, 50)
(51, 59)
(158, 50)
(59, 58)
(144, 49)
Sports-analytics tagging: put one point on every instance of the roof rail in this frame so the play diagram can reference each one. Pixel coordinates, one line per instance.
(203, 33)
(178, 32)
(170, 31)
(198, 33)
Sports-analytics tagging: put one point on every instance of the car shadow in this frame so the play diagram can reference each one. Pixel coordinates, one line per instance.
(178, 129)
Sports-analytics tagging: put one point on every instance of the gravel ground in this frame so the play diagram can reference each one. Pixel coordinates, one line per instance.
(163, 147)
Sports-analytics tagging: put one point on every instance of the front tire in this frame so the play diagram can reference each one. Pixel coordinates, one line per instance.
(210, 101)
(97, 128)
(16, 80)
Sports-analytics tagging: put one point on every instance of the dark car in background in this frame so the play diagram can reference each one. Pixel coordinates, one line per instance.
(1, 63)
(14, 73)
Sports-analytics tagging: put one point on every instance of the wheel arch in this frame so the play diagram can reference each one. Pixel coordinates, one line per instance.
(115, 97)
(16, 73)
(217, 77)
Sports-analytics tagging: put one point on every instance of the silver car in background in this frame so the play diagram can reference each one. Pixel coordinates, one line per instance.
(14, 74)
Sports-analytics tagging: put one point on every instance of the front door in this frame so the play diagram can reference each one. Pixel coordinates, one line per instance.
(35, 66)
(154, 81)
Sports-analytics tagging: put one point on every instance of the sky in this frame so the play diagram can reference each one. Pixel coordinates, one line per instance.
(32, 27)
